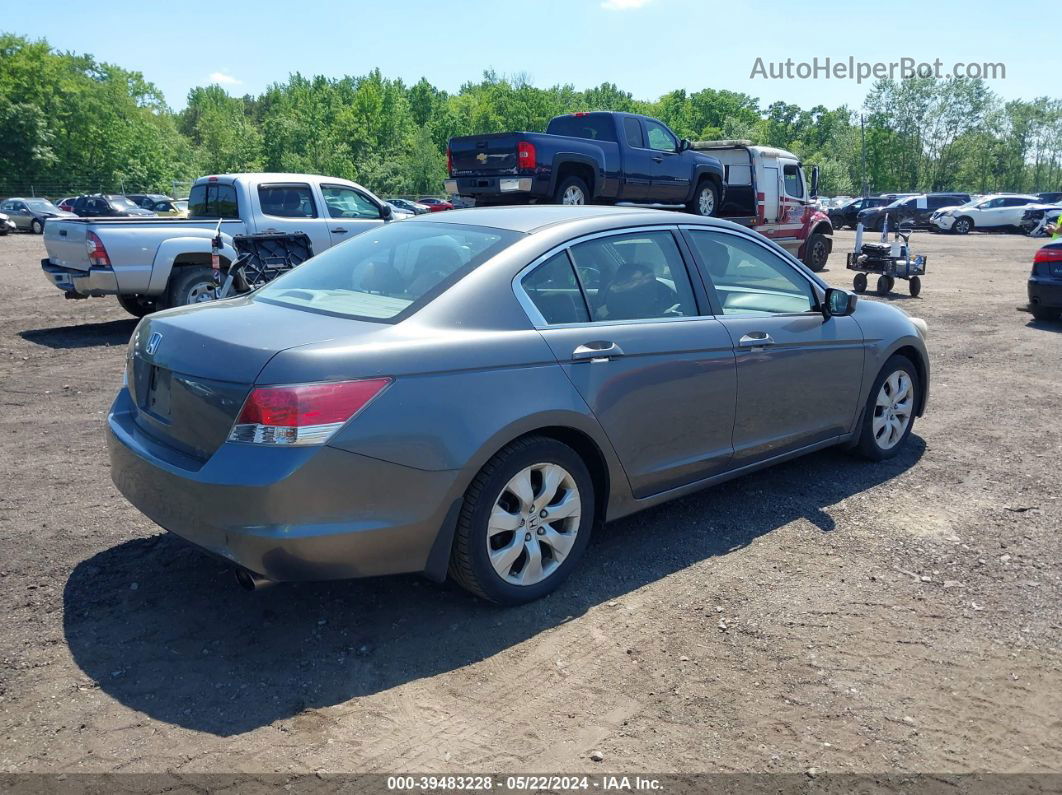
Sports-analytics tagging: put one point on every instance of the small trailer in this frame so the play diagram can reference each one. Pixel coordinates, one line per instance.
(891, 260)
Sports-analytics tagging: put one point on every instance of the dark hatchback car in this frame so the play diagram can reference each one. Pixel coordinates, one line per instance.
(473, 391)
(847, 215)
(102, 205)
(914, 210)
(1045, 283)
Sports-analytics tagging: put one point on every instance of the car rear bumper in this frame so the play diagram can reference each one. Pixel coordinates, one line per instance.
(95, 281)
(309, 513)
(1045, 292)
(502, 186)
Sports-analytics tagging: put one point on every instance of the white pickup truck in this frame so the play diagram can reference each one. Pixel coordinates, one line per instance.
(155, 263)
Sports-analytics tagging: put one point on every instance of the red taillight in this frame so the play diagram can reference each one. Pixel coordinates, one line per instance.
(525, 155)
(1048, 254)
(580, 113)
(1046, 259)
(449, 162)
(303, 414)
(97, 254)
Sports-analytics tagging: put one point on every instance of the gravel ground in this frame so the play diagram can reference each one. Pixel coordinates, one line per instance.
(827, 613)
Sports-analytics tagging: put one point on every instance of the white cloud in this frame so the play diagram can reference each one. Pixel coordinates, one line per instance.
(224, 79)
(623, 5)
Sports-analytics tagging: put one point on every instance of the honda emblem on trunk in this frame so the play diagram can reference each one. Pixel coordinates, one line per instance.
(153, 342)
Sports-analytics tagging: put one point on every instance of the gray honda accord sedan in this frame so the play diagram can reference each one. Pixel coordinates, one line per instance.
(471, 393)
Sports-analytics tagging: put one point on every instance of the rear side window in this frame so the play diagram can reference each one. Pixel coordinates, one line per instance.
(212, 200)
(554, 290)
(287, 201)
(636, 276)
(388, 272)
(632, 130)
(596, 127)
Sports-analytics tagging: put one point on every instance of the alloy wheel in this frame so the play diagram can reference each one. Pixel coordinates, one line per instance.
(706, 201)
(533, 524)
(573, 194)
(893, 409)
(202, 293)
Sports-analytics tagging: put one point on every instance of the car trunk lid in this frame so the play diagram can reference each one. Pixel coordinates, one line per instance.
(493, 153)
(190, 369)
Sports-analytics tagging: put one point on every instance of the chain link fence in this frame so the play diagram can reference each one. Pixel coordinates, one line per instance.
(75, 186)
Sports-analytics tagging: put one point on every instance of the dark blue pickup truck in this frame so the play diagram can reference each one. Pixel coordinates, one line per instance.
(600, 157)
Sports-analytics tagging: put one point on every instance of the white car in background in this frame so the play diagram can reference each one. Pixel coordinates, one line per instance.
(996, 212)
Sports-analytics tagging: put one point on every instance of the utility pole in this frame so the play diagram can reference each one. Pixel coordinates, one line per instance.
(863, 140)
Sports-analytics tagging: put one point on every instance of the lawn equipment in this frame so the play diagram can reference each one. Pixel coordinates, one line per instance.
(891, 260)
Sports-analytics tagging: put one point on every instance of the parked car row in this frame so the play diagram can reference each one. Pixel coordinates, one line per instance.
(960, 213)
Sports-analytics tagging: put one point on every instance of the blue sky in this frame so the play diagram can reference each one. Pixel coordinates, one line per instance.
(647, 47)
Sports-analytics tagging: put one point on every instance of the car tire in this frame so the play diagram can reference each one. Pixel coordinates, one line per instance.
(705, 201)
(914, 286)
(878, 437)
(1044, 313)
(494, 518)
(36, 227)
(859, 283)
(962, 226)
(572, 190)
(818, 252)
(883, 286)
(137, 305)
(191, 285)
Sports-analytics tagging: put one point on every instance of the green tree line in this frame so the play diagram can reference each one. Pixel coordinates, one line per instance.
(69, 123)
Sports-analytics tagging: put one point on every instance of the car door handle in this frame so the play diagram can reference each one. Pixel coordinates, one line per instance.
(659, 159)
(340, 230)
(598, 351)
(756, 339)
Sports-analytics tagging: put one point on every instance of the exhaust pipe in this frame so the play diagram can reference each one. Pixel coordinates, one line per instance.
(250, 581)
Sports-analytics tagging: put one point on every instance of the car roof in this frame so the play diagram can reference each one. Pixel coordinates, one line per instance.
(532, 218)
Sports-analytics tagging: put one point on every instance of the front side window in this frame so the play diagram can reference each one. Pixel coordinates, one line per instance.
(635, 276)
(749, 279)
(389, 271)
(344, 202)
(554, 290)
(660, 138)
(794, 185)
(287, 201)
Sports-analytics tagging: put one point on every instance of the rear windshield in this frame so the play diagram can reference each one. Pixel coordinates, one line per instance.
(596, 126)
(388, 272)
(212, 200)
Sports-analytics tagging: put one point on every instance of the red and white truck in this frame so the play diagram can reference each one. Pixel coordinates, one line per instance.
(768, 190)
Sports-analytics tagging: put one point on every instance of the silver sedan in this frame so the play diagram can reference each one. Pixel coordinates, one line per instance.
(472, 393)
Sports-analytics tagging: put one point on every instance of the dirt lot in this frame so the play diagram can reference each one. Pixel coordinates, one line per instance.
(827, 613)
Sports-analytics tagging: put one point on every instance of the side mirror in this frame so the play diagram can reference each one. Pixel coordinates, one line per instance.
(386, 212)
(684, 144)
(838, 303)
(814, 181)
